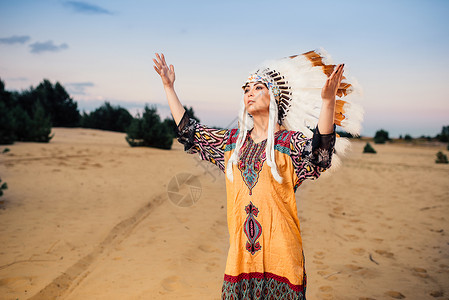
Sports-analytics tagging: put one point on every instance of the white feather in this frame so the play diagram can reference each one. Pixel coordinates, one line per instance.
(269, 150)
(243, 129)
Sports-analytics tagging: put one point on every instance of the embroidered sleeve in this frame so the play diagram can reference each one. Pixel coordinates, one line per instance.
(209, 143)
(312, 156)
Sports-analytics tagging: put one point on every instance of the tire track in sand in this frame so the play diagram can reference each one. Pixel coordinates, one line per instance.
(74, 275)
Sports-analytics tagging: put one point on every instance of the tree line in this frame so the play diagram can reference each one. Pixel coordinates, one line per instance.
(382, 136)
(29, 116)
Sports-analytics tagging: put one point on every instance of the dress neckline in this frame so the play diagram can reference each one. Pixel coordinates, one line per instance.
(261, 142)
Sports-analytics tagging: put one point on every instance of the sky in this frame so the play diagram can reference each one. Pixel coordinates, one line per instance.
(102, 51)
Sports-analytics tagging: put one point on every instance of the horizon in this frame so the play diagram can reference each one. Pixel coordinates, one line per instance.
(136, 108)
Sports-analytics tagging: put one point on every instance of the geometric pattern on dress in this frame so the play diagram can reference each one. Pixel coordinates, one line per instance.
(210, 143)
(309, 163)
(282, 142)
(252, 228)
(231, 142)
(252, 156)
(260, 286)
(250, 162)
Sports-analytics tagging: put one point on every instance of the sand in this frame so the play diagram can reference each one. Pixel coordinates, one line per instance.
(88, 217)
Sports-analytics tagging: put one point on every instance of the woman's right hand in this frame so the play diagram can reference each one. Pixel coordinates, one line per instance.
(167, 74)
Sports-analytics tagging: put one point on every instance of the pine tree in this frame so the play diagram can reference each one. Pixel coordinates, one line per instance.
(149, 131)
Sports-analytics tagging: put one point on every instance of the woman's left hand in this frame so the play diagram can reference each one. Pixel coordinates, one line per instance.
(330, 88)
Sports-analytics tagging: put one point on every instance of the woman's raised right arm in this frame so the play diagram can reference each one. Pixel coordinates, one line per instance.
(168, 79)
(210, 143)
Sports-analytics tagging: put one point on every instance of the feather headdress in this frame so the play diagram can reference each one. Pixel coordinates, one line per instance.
(295, 85)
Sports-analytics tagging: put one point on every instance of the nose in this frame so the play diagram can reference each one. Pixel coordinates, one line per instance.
(251, 91)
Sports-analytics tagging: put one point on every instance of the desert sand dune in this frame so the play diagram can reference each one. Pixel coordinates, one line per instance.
(88, 217)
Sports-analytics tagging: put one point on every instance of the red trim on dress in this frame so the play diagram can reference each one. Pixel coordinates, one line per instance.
(234, 279)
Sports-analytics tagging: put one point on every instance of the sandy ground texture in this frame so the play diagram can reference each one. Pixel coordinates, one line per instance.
(88, 217)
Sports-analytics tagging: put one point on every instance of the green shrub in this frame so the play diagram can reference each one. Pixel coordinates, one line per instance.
(22, 120)
(107, 117)
(4, 186)
(55, 100)
(369, 149)
(149, 131)
(171, 125)
(32, 129)
(381, 137)
(444, 135)
(441, 158)
(408, 138)
(41, 125)
(7, 125)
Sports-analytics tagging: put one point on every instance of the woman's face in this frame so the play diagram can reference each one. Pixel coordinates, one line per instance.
(257, 98)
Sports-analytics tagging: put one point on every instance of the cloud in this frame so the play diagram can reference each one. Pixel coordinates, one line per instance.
(86, 8)
(47, 46)
(17, 79)
(78, 88)
(15, 39)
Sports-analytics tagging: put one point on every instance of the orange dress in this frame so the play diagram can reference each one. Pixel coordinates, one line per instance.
(265, 257)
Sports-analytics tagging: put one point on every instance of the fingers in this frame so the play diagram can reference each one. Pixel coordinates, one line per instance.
(161, 59)
(340, 74)
(338, 70)
(341, 70)
(161, 64)
(333, 81)
(158, 61)
(158, 65)
(337, 74)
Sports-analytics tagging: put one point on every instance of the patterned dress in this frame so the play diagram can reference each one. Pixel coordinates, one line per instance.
(265, 257)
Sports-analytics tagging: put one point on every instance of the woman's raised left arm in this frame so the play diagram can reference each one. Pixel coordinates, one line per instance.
(328, 93)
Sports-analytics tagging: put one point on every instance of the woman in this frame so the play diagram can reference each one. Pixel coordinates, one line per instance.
(264, 164)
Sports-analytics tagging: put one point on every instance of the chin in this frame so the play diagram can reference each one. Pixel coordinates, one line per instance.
(254, 112)
(251, 109)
